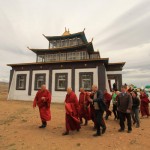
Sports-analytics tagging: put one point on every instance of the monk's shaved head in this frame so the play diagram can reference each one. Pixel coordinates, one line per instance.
(94, 88)
(69, 90)
(81, 89)
(43, 87)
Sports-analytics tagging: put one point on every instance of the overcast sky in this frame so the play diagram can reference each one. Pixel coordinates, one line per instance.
(120, 28)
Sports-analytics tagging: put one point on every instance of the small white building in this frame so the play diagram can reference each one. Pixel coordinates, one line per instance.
(70, 61)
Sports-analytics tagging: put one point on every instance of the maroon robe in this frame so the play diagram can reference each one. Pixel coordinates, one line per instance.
(72, 112)
(144, 105)
(107, 99)
(92, 110)
(44, 106)
(83, 106)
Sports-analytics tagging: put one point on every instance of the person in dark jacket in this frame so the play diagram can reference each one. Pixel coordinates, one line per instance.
(99, 107)
(125, 109)
(135, 109)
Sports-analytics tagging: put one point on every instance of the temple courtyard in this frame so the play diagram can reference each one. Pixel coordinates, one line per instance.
(19, 130)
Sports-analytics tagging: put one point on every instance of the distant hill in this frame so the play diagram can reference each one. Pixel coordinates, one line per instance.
(3, 90)
(4, 83)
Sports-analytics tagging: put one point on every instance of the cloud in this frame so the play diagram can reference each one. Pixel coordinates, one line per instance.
(120, 31)
(128, 30)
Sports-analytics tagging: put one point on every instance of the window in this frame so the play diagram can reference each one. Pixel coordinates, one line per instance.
(83, 55)
(94, 56)
(54, 44)
(39, 80)
(51, 44)
(21, 82)
(69, 56)
(73, 55)
(74, 41)
(78, 55)
(70, 42)
(59, 43)
(40, 58)
(86, 80)
(66, 43)
(61, 81)
(62, 43)
(79, 41)
(62, 56)
(51, 57)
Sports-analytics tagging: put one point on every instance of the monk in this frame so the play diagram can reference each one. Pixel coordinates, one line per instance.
(43, 101)
(144, 104)
(72, 112)
(107, 99)
(83, 106)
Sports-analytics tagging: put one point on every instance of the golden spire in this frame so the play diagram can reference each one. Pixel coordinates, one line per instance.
(66, 32)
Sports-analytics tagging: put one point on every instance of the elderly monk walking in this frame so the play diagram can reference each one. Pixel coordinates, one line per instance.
(144, 104)
(83, 106)
(43, 101)
(107, 99)
(72, 112)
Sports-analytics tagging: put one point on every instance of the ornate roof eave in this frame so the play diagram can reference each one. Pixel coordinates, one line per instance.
(118, 63)
(78, 34)
(104, 60)
(115, 66)
(89, 46)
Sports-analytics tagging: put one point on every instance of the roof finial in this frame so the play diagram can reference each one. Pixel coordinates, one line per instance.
(67, 32)
(83, 29)
(92, 40)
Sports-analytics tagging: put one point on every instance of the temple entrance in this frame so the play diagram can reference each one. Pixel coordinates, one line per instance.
(115, 81)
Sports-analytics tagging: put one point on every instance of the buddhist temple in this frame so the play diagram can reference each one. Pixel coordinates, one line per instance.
(69, 61)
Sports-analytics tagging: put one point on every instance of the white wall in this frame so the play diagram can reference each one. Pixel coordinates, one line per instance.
(19, 94)
(77, 71)
(23, 94)
(33, 92)
(59, 96)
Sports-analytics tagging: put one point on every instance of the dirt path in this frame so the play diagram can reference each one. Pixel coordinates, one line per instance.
(19, 130)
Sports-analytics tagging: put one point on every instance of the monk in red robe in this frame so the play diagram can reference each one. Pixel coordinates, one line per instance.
(144, 104)
(72, 112)
(83, 106)
(107, 99)
(92, 110)
(43, 101)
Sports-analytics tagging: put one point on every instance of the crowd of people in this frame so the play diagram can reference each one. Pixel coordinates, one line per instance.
(126, 106)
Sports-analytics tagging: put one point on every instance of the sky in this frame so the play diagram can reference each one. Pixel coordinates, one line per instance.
(120, 29)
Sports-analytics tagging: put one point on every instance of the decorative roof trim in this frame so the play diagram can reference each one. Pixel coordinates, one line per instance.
(54, 62)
